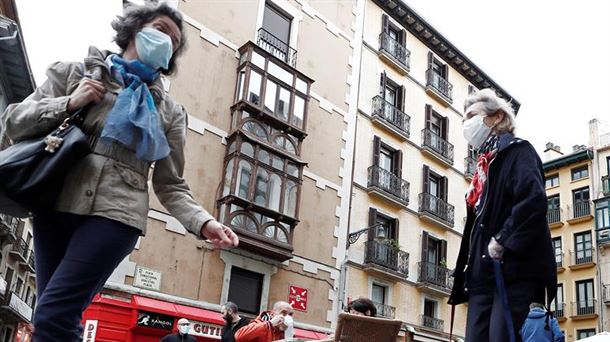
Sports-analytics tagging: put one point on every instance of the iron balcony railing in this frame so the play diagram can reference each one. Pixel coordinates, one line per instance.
(389, 183)
(384, 310)
(583, 256)
(20, 247)
(276, 47)
(606, 293)
(9, 224)
(382, 253)
(553, 215)
(430, 204)
(581, 209)
(586, 307)
(470, 166)
(395, 49)
(432, 323)
(440, 84)
(560, 310)
(606, 185)
(437, 144)
(559, 259)
(32, 261)
(389, 113)
(436, 275)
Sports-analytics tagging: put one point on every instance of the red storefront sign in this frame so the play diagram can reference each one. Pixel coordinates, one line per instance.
(297, 297)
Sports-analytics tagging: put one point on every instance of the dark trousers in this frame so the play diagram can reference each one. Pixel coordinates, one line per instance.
(486, 323)
(75, 255)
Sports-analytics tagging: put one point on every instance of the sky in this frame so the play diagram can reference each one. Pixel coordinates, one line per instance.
(550, 55)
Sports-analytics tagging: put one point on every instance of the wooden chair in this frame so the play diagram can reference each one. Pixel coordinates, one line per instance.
(354, 328)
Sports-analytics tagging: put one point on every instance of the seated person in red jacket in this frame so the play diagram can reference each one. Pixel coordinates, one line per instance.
(268, 326)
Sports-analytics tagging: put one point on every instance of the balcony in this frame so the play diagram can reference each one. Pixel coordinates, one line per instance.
(606, 293)
(387, 185)
(437, 147)
(436, 210)
(390, 117)
(432, 323)
(385, 311)
(394, 53)
(580, 212)
(583, 310)
(434, 278)
(439, 87)
(8, 228)
(553, 218)
(20, 250)
(276, 47)
(470, 166)
(606, 186)
(381, 256)
(16, 307)
(560, 312)
(31, 264)
(584, 258)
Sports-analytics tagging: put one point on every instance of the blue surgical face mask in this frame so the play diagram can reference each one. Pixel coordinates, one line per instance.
(154, 48)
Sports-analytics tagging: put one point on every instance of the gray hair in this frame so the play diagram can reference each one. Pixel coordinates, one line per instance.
(486, 102)
(231, 307)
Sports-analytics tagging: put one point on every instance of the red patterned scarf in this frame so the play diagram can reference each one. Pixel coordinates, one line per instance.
(480, 177)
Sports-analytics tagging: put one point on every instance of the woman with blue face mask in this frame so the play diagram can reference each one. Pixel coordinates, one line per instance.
(103, 206)
(506, 222)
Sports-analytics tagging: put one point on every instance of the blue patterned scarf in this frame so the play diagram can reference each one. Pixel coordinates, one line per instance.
(133, 121)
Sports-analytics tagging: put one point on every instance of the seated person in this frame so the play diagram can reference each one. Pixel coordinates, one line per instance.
(362, 307)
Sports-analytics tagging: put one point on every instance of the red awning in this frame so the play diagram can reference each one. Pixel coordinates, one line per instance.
(178, 310)
(300, 333)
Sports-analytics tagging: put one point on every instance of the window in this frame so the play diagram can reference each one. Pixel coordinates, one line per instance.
(580, 201)
(437, 124)
(585, 297)
(434, 251)
(554, 210)
(392, 93)
(437, 66)
(558, 252)
(388, 226)
(471, 89)
(378, 294)
(553, 202)
(387, 158)
(277, 23)
(583, 245)
(552, 181)
(602, 215)
(584, 333)
(435, 184)
(430, 308)
(245, 290)
(580, 172)
(393, 40)
(18, 287)
(8, 334)
(558, 303)
(472, 152)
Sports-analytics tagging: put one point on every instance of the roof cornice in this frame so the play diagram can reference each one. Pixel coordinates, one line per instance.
(569, 159)
(436, 42)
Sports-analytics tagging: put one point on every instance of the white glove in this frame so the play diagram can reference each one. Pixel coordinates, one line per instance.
(495, 250)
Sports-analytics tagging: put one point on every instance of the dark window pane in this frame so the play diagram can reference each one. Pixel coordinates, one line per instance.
(245, 290)
(276, 23)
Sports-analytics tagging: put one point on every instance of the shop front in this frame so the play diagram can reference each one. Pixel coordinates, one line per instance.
(143, 319)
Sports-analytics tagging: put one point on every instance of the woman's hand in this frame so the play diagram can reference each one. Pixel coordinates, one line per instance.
(495, 250)
(88, 91)
(220, 235)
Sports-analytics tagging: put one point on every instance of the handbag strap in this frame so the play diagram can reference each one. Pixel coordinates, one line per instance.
(501, 288)
(452, 321)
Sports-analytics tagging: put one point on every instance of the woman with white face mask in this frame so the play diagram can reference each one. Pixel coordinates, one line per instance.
(506, 221)
(103, 206)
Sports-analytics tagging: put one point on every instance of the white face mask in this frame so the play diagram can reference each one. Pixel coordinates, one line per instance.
(184, 329)
(289, 322)
(476, 131)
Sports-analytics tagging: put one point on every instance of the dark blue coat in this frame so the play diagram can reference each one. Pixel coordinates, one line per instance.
(513, 210)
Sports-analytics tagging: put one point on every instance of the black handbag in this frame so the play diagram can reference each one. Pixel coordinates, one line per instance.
(32, 171)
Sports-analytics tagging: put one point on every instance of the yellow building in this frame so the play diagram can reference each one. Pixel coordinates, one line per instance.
(412, 169)
(570, 217)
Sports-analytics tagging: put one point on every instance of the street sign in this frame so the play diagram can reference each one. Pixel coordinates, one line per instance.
(297, 297)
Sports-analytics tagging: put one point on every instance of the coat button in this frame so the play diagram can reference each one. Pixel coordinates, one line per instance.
(89, 193)
(483, 256)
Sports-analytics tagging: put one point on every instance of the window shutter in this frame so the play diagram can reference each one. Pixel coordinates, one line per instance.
(376, 150)
(372, 221)
(428, 115)
(445, 71)
(383, 84)
(444, 188)
(426, 179)
(430, 59)
(424, 246)
(445, 132)
(398, 163)
(443, 251)
(400, 96)
(385, 23)
(403, 38)
(396, 232)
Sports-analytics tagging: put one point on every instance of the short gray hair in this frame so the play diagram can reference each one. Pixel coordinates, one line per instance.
(486, 102)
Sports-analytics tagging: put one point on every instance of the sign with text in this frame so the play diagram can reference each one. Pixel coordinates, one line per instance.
(20, 307)
(208, 330)
(155, 320)
(297, 297)
(147, 279)
(89, 330)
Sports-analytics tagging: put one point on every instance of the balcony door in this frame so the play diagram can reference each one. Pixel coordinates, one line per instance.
(435, 186)
(580, 201)
(585, 296)
(393, 94)
(583, 245)
(389, 160)
(553, 213)
(434, 259)
(380, 246)
(558, 251)
(438, 130)
(277, 24)
(557, 304)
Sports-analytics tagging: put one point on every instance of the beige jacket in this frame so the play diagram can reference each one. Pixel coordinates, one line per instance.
(111, 182)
